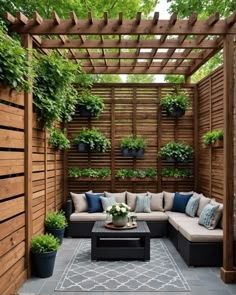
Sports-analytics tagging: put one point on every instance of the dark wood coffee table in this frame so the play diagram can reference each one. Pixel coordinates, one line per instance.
(108, 244)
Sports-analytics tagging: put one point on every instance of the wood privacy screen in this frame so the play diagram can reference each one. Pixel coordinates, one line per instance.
(132, 109)
(210, 117)
(47, 188)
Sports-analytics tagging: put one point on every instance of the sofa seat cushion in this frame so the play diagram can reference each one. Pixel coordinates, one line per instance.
(175, 218)
(194, 232)
(153, 216)
(84, 216)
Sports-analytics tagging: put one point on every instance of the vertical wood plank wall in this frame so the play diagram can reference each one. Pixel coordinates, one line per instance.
(47, 188)
(132, 109)
(210, 117)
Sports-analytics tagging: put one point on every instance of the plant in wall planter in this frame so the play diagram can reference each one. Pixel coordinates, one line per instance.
(89, 105)
(169, 173)
(213, 138)
(55, 224)
(43, 254)
(58, 140)
(133, 146)
(176, 151)
(101, 173)
(92, 140)
(139, 173)
(175, 104)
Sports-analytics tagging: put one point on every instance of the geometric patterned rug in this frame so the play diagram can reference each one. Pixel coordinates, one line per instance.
(159, 274)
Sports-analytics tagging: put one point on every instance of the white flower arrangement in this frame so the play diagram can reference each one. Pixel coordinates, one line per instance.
(118, 210)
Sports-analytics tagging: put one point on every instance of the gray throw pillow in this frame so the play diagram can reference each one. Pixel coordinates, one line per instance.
(143, 204)
(131, 199)
(107, 202)
(192, 206)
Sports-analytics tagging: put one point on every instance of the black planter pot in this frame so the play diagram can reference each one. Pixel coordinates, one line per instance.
(127, 153)
(178, 112)
(84, 112)
(139, 153)
(43, 264)
(57, 233)
(83, 147)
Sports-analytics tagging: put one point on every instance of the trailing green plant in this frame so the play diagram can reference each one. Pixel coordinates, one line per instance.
(212, 136)
(176, 100)
(139, 173)
(89, 172)
(55, 220)
(94, 139)
(58, 139)
(91, 102)
(176, 173)
(176, 151)
(151, 172)
(44, 243)
(132, 142)
(15, 68)
(54, 94)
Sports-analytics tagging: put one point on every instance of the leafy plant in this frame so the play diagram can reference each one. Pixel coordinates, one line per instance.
(95, 140)
(44, 243)
(55, 220)
(91, 102)
(151, 172)
(133, 143)
(176, 151)
(212, 136)
(139, 173)
(83, 172)
(175, 172)
(172, 101)
(14, 63)
(58, 139)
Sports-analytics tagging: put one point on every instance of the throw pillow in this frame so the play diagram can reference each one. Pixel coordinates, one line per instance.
(157, 201)
(218, 215)
(79, 201)
(107, 202)
(187, 193)
(202, 203)
(207, 216)
(180, 202)
(94, 202)
(143, 204)
(120, 197)
(131, 199)
(192, 206)
(168, 201)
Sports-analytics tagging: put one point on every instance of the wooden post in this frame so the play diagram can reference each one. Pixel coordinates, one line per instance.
(196, 134)
(228, 273)
(112, 139)
(65, 167)
(45, 169)
(26, 41)
(210, 128)
(159, 116)
(134, 118)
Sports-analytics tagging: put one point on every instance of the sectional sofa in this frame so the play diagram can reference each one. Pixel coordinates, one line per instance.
(197, 245)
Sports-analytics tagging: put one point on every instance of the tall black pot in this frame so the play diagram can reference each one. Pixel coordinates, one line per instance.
(177, 112)
(57, 233)
(43, 264)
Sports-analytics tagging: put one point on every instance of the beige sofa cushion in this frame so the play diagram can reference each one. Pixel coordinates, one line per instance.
(168, 200)
(175, 218)
(202, 203)
(153, 216)
(120, 197)
(131, 199)
(218, 215)
(157, 201)
(85, 216)
(194, 232)
(80, 202)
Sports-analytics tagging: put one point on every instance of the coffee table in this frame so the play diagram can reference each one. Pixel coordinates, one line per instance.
(108, 244)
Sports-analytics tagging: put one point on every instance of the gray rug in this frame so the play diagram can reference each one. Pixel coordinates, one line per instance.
(159, 274)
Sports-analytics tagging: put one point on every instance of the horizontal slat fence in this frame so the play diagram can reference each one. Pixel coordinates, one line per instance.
(132, 109)
(210, 117)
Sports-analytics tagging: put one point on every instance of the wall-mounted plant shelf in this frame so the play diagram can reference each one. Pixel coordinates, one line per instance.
(217, 144)
(84, 179)
(176, 179)
(135, 179)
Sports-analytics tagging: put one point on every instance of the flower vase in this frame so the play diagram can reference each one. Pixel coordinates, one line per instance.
(119, 220)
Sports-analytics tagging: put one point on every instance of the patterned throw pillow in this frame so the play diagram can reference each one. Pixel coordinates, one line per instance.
(143, 204)
(192, 206)
(207, 216)
(107, 202)
(218, 215)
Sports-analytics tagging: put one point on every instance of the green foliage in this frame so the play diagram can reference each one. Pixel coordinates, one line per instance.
(175, 172)
(91, 102)
(129, 173)
(95, 173)
(54, 95)
(179, 79)
(118, 210)
(109, 78)
(55, 220)
(140, 78)
(133, 142)
(212, 136)
(14, 64)
(95, 140)
(58, 139)
(172, 101)
(176, 151)
(44, 243)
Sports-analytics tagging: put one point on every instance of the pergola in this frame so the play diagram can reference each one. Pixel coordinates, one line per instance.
(138, 46)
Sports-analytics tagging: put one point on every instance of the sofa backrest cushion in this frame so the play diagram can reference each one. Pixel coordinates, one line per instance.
(131, 199)
(157, 201)
(119, 197)
(207, 216)
(168, 200)
(202, 203)
(180, 202)
(80, 202)
(94, 202)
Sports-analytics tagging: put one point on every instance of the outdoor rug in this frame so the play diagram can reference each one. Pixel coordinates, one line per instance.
(159, 274)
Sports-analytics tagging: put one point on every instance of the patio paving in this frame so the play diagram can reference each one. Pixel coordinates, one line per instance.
(202, 280)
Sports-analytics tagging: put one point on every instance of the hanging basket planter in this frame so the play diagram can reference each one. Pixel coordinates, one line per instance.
(177, 112)
(83, 147)
(84, 112)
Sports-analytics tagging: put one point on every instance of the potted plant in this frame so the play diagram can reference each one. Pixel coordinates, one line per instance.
(58, 140)
(89, 105)
(176, 151)
(214, 138)
(43, 253)
(139, 145)
(175, 104)
(55, 223)
(175, 173)
(119, 213)
(139, 173)
(92, 140)
(132, 146)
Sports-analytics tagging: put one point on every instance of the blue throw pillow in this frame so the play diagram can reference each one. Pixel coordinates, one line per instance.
(192, 206)
(107, 202)
(94, 202)
(180, 202)
(207, 216)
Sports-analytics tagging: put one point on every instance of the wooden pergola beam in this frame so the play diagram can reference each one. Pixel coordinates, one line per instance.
(138, 18)
(105, 15)
(22, 18)
(155, 18)
(56, 19)
(74, 18)
(37, 18)
(231, 19)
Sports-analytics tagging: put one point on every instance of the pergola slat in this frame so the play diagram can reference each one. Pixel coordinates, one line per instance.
(56, 19)
(37, 18)
(74, 18)
(22, 18)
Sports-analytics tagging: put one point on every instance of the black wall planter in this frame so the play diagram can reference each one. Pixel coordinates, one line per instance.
(133, 153)
(177, 112)
(140, 153)
(83, 147)
(43, 264)
(84, 112)
(57, 233)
